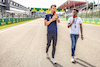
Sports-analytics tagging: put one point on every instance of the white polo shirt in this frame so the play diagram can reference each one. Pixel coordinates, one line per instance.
(76, 25)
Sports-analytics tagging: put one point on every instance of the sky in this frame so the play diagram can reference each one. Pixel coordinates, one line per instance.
(44, 3)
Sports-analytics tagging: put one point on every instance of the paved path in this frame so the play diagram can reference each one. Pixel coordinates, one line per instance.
(24, 46)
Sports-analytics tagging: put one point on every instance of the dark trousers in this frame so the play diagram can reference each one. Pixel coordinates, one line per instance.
(51, 36)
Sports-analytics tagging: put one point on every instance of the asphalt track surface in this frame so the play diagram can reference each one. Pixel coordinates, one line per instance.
(24, 46)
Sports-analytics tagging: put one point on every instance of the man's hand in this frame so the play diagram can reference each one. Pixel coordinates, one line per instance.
(82, 37)
(53, 18)
(56, 16)
(70, 24)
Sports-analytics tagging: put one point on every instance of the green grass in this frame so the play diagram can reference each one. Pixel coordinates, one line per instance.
(13, 24)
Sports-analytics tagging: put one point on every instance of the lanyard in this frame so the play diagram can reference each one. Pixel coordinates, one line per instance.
(75, 20)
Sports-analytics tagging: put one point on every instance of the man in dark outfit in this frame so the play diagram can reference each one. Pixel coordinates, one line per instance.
(50, 21)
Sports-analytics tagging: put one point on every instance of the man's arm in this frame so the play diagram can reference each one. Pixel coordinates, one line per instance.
(56, 16)
(58, 20)
(46, 23)
(81, 29)
(70, 24)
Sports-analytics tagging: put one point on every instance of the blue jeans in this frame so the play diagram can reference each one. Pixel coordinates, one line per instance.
(74, 38)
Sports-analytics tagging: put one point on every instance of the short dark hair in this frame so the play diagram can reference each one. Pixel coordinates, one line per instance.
(52, 6)
(76, 10)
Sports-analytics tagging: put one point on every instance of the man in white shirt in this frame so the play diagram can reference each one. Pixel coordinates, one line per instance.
(75, 23)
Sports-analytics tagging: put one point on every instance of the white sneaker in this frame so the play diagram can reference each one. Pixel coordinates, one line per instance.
(47, 55)
(53, 61)
(72, 59)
